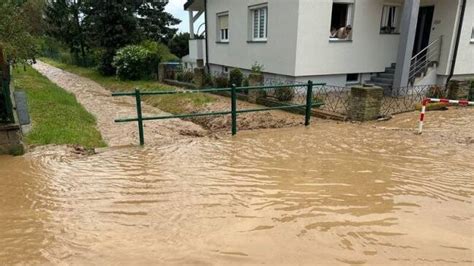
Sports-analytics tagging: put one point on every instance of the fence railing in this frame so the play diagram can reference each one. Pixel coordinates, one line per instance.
(6, 109)
(234, 111)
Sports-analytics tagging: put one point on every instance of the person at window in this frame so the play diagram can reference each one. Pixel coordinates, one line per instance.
(343, 33)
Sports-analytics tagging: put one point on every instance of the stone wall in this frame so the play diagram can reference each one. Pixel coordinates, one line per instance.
(11, 140)
(458, 89)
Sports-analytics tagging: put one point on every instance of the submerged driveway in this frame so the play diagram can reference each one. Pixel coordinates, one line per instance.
(98, 101)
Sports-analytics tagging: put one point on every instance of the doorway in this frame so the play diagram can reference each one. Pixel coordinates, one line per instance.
(423, 28)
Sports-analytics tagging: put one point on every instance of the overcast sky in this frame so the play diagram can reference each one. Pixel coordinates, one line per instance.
(175, 7)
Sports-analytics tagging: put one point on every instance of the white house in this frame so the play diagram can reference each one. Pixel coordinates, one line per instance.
(392, 42)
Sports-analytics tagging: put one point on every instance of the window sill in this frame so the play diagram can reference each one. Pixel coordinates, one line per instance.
(339, 40)
(222, 42)
(257, 41)
(385, 33)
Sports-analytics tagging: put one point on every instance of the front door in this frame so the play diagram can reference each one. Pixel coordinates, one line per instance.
(423, 28)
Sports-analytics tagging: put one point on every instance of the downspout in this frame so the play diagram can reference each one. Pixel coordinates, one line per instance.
(207, 36)
(458, 40)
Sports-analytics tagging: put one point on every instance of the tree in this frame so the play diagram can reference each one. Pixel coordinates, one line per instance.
(110, 24)
(155, 23)
(65, 25)
(16, 41)
(179, 45)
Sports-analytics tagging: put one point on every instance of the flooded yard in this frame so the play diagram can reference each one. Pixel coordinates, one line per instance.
(330, 194)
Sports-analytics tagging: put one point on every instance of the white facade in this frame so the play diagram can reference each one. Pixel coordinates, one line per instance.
(298, 44)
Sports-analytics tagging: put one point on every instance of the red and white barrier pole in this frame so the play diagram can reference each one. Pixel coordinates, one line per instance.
(434, 100)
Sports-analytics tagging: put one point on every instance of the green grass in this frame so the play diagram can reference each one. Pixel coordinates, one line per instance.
(176, 104)
(56, 115)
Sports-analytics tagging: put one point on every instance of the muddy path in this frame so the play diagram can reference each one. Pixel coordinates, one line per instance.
(98, 101)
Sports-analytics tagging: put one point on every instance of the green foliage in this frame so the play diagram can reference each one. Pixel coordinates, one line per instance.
(57, 116)
(471, 91)
(132, 62)
(17, 43)
(236, 77)
(435, 92)
(159, 52)
(154, 23)
(257, 68)
(221, 81)
(185, 76)
(245, 82)
(285, 94)
(179, 45)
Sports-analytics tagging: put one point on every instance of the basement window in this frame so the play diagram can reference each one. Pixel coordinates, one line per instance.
(341, 20)
(390, 20)
(353, 78)
(223, 27)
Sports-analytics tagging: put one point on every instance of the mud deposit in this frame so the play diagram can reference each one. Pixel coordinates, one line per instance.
(330, 194)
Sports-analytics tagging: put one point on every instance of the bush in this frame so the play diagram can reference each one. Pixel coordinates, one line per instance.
(245, 82)
(132, 62)
(285, 94)
(236, 77)
(471, 91)
(436, 92)
(221, 81)
(257, 68)
(185, 76)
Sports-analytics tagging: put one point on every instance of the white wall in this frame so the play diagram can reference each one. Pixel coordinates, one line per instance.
(465, 58)
(369, 51)
(277, 55)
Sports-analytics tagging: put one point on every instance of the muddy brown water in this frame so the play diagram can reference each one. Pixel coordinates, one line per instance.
(328, 194)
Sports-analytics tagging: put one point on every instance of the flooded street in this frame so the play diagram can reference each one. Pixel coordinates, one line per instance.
(329, 194)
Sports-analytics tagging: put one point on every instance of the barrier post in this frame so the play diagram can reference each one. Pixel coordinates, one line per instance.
(138, 99)
(309, 103)
(234, 110)
(422, 115)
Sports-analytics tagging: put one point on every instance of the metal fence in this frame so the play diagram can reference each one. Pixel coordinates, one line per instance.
(234, 111)
(405, 99)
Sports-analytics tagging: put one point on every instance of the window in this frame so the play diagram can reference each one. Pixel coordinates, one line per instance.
(223, 27)
(259, 23)
(390, 19)
(472, 35)
(353, 78)
(341, 20)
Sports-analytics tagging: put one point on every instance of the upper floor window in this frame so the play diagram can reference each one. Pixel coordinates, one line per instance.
(223, 27)
(259, 16)
(390, 19)
(342, 20)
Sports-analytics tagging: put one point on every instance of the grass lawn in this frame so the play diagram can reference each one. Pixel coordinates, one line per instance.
(176, 104)
(56, 115)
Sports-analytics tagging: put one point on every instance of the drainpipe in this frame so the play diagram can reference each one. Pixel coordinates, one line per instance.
(458, 40)
(207, 36)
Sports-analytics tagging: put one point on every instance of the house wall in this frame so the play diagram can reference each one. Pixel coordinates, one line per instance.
(369, 51)
(465, 59)
(277, 54)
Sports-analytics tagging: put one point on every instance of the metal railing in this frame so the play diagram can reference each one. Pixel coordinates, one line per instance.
(424, 59)
(233, 108)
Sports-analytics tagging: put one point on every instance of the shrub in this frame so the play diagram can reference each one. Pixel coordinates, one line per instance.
(186, 76)
(132, 62)
(207, 79)
(436, 92)
(221, 81)
(245, 82)
(257, 68)
(236, 77)
(285, 94)
(471, 91)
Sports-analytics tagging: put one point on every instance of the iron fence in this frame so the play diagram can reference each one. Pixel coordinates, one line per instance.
(405, 99)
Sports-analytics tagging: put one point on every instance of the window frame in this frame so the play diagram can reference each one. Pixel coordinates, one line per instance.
(220, 32)
(349, 19)
(252, 16)
(398, 17)
(354, 81)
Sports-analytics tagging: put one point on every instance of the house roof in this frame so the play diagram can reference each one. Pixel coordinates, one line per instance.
(194, 5)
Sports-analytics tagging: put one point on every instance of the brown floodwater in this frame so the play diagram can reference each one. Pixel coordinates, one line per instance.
(329, 194)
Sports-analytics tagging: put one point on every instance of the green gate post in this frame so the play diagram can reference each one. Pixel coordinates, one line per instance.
(234, 110)
(138, 98)
(309, 103)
